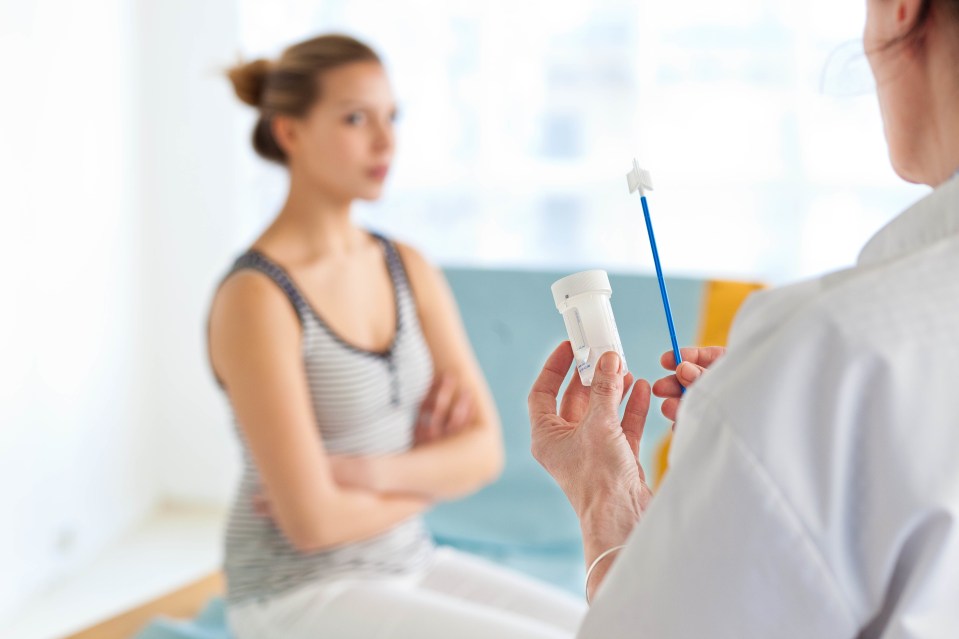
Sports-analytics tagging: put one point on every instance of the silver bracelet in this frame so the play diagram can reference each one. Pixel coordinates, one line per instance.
(602, 555)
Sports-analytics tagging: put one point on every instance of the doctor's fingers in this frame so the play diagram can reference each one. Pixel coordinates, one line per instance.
(669, 408)
(606, 390)
(667, 387)
(634, 417)
(575, 400)
(701, 355)
(542, 396)
(672, 385)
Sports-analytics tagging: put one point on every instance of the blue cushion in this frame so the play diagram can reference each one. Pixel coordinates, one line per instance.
(209, 624)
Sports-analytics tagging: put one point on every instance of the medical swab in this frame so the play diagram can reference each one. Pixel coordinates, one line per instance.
(640, 180)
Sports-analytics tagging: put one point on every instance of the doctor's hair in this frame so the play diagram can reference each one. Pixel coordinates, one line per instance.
(292, 83)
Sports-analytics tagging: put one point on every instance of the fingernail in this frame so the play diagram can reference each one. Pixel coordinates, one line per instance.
(689, 371)
(610, 362)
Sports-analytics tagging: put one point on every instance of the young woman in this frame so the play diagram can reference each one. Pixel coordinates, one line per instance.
(358, 400)
(813, 489)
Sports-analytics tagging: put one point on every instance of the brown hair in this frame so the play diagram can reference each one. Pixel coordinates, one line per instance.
(290, 85)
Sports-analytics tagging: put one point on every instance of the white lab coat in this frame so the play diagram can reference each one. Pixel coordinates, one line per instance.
(814, 482)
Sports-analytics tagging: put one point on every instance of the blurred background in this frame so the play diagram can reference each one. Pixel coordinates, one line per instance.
(128, 184)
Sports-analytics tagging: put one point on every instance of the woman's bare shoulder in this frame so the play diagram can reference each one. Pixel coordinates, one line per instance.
(426, 279)
(249, 294)
(249, 315)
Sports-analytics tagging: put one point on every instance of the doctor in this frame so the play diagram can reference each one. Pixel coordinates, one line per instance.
(814, 481)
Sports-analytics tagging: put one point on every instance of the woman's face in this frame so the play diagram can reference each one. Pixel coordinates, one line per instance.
(344, 144)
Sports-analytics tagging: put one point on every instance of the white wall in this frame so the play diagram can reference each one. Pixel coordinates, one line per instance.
(195, 220)
(74, 464)
(121, 149)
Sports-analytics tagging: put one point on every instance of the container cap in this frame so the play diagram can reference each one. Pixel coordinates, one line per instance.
(596, 280)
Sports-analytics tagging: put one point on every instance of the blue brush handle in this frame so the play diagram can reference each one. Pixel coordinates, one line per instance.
(662, 284)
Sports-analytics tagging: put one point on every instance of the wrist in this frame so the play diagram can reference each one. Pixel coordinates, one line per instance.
(617, 503)
(599, 572)
(607, 519)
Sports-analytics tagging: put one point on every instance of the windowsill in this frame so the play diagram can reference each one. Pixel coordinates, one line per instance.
(173, 546)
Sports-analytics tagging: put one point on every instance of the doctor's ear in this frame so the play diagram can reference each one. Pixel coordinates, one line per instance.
(892, 23)
(907, 19)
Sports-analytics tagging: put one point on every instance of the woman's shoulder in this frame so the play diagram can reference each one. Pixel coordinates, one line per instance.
(248, 290)
(435, 302)
(249, 318)
(413, 259)
(248, 302)
(425, 278)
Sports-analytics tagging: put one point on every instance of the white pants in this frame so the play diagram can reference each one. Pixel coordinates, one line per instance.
(459, 597)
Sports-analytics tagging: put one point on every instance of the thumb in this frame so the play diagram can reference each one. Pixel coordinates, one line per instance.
(687, 373)
(606, 390)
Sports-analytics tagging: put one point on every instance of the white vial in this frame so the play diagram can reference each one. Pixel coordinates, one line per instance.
(583, 301)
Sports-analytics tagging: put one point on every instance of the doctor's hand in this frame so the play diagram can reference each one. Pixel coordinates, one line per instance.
(591, 454)
(695, 363)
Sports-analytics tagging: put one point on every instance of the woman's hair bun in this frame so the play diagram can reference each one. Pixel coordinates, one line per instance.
(291, 84)
(249, 80)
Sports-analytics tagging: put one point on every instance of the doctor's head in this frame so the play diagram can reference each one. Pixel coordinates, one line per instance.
(326, 112)
(913, 49)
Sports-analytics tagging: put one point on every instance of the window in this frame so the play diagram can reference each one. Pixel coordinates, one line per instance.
(521, 119)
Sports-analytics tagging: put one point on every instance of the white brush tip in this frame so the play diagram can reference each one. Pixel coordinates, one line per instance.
(639, 179)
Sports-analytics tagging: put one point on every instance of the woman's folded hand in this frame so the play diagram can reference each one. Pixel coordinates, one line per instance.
(448, 409)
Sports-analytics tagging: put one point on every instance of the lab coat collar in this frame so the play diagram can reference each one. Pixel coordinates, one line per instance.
(927, 221)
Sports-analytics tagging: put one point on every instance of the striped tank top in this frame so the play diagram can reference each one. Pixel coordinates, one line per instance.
(366, 403)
